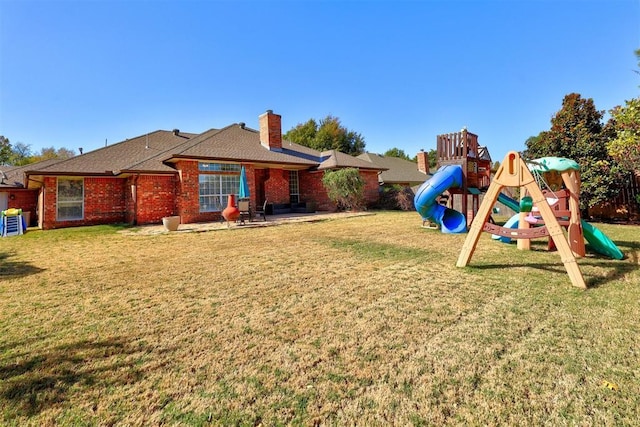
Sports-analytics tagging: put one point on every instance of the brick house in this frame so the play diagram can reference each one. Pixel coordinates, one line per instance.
(164, 173)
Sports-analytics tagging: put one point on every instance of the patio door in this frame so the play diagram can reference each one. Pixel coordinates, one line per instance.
(294, 187)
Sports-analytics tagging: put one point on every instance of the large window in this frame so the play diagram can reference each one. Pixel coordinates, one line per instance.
(220, 180)
(70, 199)
(294, 188)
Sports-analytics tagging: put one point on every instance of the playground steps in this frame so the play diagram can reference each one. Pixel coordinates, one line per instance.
(12, 223)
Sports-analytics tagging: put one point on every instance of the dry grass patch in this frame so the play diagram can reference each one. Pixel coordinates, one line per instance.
(360, 320)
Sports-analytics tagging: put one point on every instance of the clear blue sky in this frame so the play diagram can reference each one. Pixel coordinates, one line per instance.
(74, 73)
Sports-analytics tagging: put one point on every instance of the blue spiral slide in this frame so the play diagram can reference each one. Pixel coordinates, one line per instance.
(449, 220)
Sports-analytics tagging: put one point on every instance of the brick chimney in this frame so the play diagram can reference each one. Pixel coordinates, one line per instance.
(271, 131)
(423, 161)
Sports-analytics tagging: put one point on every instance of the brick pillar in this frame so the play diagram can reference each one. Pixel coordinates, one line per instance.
(423, 161)
(271, 131)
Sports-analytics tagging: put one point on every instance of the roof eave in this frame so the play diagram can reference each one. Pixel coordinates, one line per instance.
(238, 160)
(143, 172)
(61, 173)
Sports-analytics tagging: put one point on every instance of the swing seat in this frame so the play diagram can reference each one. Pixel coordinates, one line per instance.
(531, 219)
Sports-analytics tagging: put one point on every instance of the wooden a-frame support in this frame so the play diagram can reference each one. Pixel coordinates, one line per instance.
(513, 172)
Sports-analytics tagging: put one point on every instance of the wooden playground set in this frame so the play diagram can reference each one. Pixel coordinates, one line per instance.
(549, 190)
(461, 148)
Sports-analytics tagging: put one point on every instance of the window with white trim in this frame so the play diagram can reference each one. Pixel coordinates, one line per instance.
(294, 187)
(70, 199)
(219, 167)
(215, 185)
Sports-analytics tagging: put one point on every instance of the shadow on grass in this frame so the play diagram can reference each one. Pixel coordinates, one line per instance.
(551, 267)
(616, 269)
(374, 250)
(40, 381)
(13, 269)
(616, 272)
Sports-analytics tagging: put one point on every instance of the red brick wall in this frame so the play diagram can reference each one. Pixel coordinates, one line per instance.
(109, 200)
(311, 189)
(276, 187)
(259, 177)
(371, 187)
(104, 202)
(155, 198)
(50, 199)
(24, 199)
(188, 194)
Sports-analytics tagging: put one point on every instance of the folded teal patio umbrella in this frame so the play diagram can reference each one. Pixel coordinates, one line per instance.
(244, 185)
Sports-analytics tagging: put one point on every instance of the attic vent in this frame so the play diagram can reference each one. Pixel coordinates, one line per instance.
(176, 132)
(242, 125)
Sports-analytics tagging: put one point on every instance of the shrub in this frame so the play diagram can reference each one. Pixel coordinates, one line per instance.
(397, 197)
(345, 187)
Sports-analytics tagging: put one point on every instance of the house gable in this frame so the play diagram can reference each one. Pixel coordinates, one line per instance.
(397, 171)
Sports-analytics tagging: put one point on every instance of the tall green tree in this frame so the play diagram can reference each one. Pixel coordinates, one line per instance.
(21, 154)
(5, 150)
(54, 153)
(328, 134)
(577, 133)
(397, 152)
(624, 125)
(433, 158)
(624, 145)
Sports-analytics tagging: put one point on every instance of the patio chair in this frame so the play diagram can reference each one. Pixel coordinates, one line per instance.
(245, 212)
(261, 211)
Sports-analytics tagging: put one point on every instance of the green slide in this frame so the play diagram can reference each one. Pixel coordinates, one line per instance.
(600, 242)
(514, 205)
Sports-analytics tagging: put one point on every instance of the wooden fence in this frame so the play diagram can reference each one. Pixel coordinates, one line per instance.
(625, 206)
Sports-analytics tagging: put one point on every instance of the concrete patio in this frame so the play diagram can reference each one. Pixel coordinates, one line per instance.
(272, 220)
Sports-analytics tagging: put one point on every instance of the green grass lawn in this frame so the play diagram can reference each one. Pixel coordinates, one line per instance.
(360, 320)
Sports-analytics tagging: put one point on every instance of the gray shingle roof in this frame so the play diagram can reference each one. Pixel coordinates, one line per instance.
(156, 151)
(398, 170)
(336, 159)
(15, 174)
(123, 155)
(238, 143)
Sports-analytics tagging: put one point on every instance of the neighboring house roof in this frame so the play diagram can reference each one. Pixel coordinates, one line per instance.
(333, 159)
(397, 170)
(15, 177)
